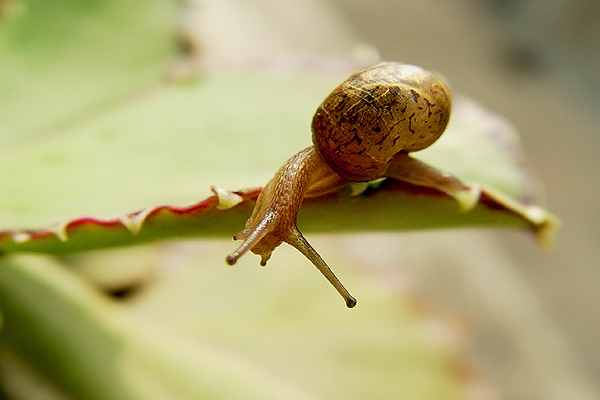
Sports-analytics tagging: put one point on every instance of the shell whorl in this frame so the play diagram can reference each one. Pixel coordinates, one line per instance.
(388, 108)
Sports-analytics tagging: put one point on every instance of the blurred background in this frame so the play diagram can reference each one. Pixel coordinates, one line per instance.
(535, 315)
(529, 318)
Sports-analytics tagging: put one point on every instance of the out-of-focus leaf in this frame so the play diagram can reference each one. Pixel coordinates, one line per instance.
(164, 147)
(237, 349)
(93, 352)
(64, 63)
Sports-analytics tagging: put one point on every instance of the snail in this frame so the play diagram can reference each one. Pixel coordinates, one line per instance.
(364, 130)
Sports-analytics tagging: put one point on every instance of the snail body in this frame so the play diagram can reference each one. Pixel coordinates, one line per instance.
(362, 131)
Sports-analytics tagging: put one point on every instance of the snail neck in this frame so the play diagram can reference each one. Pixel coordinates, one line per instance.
(274, 215)
(273, 220)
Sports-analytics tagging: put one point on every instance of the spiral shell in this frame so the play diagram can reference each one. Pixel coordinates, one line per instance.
(376, 113)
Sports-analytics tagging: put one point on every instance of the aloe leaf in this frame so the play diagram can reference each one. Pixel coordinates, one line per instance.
(121, 147)
(181, 140)
(64, 62)
(59, 333)
(94, 351)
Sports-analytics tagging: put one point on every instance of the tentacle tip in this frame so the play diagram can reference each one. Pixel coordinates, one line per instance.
(468, 197)
(350, 302)
(231, 259)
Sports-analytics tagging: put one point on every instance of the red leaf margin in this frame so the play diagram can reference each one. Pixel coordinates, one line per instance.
(225, 212)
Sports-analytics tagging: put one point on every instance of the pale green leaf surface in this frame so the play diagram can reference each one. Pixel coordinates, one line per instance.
(167, 146)
(206, 333)
(63, 62)
(110, 138)
(93, 352)
(176, 141)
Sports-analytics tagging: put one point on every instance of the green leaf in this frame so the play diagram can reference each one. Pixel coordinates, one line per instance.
(111, 138)
(233, 130)
(61, 334)
(65, 61)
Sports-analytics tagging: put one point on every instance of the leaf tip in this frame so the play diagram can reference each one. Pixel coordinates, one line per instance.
(468, 198)
(60, 230)
(227, 199)
(134, 222)
(545, 226)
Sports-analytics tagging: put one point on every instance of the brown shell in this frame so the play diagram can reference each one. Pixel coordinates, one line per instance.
(376, 113)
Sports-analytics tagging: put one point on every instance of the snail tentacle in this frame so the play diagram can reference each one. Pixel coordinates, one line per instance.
(299, 242)
(362, 131)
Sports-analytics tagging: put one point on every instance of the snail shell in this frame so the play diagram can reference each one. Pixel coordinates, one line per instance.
(376, 113)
